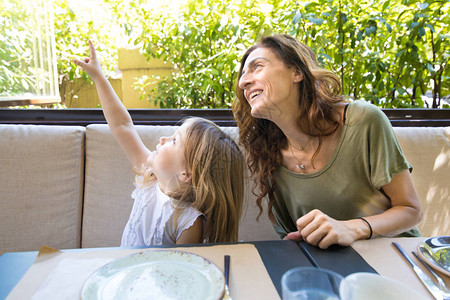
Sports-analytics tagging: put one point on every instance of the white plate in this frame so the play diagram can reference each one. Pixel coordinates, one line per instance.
(370, 286)
(436, 253)
(156, 274)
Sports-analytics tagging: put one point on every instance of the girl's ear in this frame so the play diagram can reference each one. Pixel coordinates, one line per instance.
(298, 76)
(184, 176)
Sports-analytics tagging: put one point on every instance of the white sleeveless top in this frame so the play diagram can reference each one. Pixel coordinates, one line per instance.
(151, 219)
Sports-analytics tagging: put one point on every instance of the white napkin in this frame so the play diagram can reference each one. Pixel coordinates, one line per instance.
(67, 279)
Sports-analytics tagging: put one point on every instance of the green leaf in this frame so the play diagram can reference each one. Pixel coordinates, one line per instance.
(400, 53)
(326, 56)
(370, 30)
(317, 21)
(296, 18)
(421, 31)
(431, 27)
(437, 46)
(311, 5)
(414, 24)
(359, 36)
(389, 28)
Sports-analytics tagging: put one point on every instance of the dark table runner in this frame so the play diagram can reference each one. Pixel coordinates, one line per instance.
(342, 260)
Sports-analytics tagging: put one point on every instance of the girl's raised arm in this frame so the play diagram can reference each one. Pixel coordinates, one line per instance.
(117, 116)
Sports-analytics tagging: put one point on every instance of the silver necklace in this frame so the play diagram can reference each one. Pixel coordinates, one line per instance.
(299, 165)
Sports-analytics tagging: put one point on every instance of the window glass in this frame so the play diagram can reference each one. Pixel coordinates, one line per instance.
(28, 70)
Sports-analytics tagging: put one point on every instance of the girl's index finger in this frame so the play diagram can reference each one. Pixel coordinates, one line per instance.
(92, 49)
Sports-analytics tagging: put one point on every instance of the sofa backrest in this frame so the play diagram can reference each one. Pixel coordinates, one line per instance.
(70, 186)
(427, 149)
(41, 185)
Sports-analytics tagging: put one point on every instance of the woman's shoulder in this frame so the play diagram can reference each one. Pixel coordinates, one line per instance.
(362, 111)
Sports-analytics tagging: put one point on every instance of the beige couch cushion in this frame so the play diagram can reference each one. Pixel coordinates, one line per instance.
(41, 180)
(428, 150)
(109, 183)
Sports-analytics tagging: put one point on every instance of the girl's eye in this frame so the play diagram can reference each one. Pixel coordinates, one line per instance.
(173, 140)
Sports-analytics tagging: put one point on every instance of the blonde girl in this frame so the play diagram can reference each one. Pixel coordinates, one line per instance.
(189, 190)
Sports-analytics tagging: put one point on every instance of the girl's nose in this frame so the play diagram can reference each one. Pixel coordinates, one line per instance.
(163, 139)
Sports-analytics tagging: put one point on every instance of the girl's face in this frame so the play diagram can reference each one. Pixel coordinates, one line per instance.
(269, 86)
(168, 162)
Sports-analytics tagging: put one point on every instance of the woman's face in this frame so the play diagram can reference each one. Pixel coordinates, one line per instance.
(269, 86)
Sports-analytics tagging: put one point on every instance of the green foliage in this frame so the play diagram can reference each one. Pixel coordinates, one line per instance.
(388, 52)
(203, 42)
(72, 32)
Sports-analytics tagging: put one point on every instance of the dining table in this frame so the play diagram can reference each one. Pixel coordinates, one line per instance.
(256, 267)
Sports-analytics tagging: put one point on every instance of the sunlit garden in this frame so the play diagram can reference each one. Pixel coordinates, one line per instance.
(392, 53)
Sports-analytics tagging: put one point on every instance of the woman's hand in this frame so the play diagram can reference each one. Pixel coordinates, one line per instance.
(318, 229)
(90, 65)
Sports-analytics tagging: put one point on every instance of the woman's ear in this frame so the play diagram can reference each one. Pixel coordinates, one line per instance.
(298, 76)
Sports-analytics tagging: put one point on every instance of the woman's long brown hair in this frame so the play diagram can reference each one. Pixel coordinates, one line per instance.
(317, 116)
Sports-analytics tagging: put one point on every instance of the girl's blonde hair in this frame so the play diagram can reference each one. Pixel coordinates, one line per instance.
(216, 187)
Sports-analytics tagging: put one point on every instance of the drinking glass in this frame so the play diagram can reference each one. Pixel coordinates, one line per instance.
(309, 283)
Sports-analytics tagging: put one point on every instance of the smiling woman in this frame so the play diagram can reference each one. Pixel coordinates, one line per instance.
(331, 170)
(28, 73)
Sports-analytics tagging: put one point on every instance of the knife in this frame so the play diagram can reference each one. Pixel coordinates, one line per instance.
(429, 284)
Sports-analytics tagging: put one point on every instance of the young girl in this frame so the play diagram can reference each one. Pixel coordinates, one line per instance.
(189, 190)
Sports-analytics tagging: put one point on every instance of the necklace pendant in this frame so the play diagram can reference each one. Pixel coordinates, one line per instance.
(301, 148)
(300, 166)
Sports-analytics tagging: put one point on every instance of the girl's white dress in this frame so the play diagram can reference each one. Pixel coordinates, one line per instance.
(151, 220)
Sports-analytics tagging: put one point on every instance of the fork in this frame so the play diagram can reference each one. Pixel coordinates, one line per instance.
(226, 296)
(438, 278)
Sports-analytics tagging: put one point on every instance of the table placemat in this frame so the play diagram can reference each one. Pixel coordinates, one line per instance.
(279, 257)
(248, 276)
(342, 260)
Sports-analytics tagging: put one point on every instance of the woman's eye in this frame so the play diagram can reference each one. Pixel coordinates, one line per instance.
(173, 140)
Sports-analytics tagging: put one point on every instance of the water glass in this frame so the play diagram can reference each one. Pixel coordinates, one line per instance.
(309, 283)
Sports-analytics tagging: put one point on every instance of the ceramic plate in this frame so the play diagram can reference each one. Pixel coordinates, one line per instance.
(370, 286)
(158, 274)
(436, 252)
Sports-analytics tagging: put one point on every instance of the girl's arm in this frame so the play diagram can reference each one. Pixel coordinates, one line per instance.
(117, 116)
(194, 234)
(321, 230)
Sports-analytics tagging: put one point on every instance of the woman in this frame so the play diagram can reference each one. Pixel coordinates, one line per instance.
(333, 172)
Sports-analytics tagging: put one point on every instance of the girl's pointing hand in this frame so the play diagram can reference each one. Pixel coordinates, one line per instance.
(90, 65)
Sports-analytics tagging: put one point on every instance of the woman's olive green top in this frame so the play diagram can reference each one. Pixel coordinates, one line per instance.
(367, 157)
